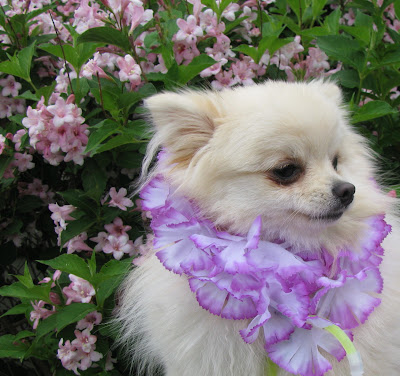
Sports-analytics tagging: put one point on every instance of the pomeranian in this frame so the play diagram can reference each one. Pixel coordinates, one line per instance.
(286, 154)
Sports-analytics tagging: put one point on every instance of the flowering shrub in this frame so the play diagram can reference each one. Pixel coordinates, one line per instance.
(72, 136)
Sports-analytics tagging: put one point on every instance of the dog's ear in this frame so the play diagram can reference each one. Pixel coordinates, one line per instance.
(330, 90)
(184, 122)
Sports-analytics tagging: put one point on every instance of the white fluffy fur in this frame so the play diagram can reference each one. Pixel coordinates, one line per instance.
(223, 146)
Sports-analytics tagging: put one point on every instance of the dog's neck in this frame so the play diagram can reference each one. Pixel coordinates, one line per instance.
(286, 293)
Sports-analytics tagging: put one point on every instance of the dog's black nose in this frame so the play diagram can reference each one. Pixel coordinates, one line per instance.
(344, 192)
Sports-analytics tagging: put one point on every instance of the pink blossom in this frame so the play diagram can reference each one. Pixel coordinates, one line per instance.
(142, 249)
(224, 79)
(61, 214)
(88, 358)
(185, 52)
(101, 239)
(93, 318)
(23, 161)
(77, 244)
(69, 356)
(117, 228)
(10, 86)
(87, 16)
(39, 312)
(189, 31)
(84, 340)
(119, 200)
(129, 70)
(118, 246)
(109, 362)
(17, 138)
(79, 290)
(392, 193)
(2, 143)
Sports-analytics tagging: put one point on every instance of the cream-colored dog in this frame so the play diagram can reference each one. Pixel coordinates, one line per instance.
(284, 151)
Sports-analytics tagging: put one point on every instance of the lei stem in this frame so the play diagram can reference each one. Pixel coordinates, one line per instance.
(356, 366)
(272, 368)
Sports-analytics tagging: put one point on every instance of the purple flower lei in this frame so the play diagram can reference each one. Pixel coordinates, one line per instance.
(291, 297)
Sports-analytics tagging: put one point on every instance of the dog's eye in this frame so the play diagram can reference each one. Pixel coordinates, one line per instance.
(335, 162)
(287, 174)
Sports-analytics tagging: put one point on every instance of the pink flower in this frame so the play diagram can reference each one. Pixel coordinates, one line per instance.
(118, 246)
(224, 79)
(2, 143)
(79, 290)
(117, 228)
(61, 214)
(189, 31)
(101, 239)
(119, 200)
(39, 312)
(129, 70)
(23, 161)
(109, 362)
(93, 318)
(84, 340)
(69, 356)
(10, 86)
(185, 52)
(77, 244)
(17, 138)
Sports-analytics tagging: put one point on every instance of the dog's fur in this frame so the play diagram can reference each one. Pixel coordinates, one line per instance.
(224, 148)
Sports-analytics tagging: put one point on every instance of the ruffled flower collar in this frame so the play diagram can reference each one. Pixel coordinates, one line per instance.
(286, 298)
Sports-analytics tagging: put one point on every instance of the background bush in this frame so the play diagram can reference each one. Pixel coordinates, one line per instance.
(72, 137)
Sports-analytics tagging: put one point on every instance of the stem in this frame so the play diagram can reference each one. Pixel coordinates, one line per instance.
(101, 96)
(300, 14)
(260, 17)
(11, 27)
(62, 50)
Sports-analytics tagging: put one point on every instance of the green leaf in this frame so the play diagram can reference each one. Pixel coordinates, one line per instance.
(92, 264)
(106, 35)
(94, 179)
(372, 110)
(27, 204)
(17, 310)
(71, 264)
(106, 288)
(25, 279)
(392, 57)
(77, 198)
(11, 348)
(198, 64)
(76, 227)
(4, 163)
(18, 290)
(127, 100)
(117, 141)
(271, 44)
(347, 78)
(212, 4)
(231, 25)
(63, 317)
(102, 130)
(332, 22)
(20, 64)
(344, 49)
(247, 50)
(317, 6)
(129, 160)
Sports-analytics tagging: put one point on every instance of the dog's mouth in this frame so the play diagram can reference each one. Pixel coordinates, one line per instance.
(329, 217)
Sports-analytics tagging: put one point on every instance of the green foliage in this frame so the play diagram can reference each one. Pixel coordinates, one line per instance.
(363, 58)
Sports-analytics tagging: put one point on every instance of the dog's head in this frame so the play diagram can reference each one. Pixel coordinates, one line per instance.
(281, 150)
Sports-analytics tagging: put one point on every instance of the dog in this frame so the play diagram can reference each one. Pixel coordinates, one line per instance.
(283, 152)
